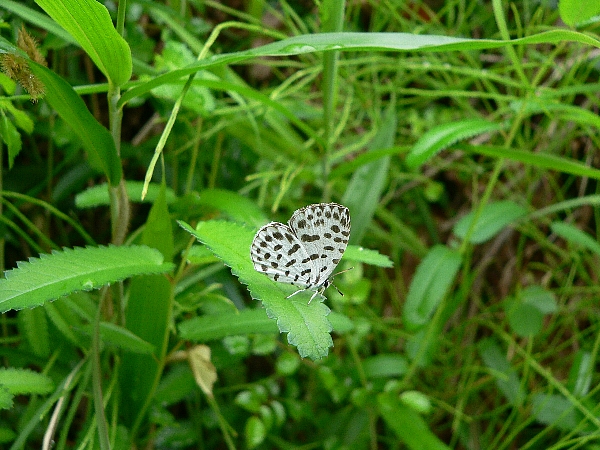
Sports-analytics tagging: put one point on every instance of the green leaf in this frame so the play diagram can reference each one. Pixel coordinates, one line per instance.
(211, 327)
(6, 402)
(51, 276)
(492, 219)
(23, 381)
(367, 256)
(580, 375)
(575, 12)
(95, 138)
(409, 427)
(147, 317)
(526, 312)
(122, 338)
(33, 325)
(443, 136)
(11, 137)
(98, 195)
(306, 324)
(385, 365)
(158, 232)
(433, 277)
(234, 205)
(89, 22)
(255, 432)
(505, 376)
(574, 235)
(537, 159)
(367, 42)
(556, 410)
(367, 183)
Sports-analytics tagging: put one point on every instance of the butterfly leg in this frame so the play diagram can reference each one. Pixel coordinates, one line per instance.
(299, 290)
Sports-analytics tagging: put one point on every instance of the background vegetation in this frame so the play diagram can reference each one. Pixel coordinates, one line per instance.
(142, 146)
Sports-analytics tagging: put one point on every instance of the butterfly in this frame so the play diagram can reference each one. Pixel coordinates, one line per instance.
(305, 251)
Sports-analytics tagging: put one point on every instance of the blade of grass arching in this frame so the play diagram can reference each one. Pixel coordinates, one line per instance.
(541, 160)
(332, 15)
(364, 190)
(365, 42)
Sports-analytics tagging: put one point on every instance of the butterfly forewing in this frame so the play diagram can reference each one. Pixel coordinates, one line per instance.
(323, 230)
(277, 253)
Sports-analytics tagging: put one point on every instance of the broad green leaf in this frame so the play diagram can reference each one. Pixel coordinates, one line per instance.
(556, 410)
(367, 183)
(557, 111)
(505, 376)
(33, 325)
(122, 338)
(580, 375)
(89, 22)
(306, 324)
(95, 138)
(255, 432)
(38, 19)
(537, 159)
(147, 316)
(98, 195)
(158, 232)
(433, 277)
(6, 402)
(408, 426)
(526, 312)
(11, 137)
(576, 12)
(367, 256)
(51, 276)
(234, 205)
(385, 365)
(24, 381)
(211, 327)
(443, 136)
(492, 219)
(574, 235)
(367, 42)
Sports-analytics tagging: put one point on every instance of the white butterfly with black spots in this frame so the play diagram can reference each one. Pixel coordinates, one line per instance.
(305, 252)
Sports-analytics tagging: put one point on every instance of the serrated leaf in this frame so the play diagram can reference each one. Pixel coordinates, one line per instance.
(89, 22)
(51, 276)
(442, 136)
(23, 381)
(492, 219)
(306, 324)
(434, 276)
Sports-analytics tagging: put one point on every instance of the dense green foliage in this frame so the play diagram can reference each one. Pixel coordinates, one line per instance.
(142, 145)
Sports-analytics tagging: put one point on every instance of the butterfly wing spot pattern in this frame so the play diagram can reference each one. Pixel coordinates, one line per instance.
(305, 252)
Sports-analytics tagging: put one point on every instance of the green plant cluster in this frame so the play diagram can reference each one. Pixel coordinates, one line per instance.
(143, 144)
